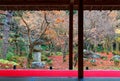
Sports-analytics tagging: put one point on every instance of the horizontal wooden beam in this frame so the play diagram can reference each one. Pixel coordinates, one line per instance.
(101, 2)
(31, 3)
(58, 4)
(56, 7)
(36, 7)
(100, 7)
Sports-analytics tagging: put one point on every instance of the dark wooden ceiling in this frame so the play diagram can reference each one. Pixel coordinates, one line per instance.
(59, 4)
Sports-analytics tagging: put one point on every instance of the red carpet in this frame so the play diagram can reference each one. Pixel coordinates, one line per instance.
(57, 73)
(38, 73)
(102, 73)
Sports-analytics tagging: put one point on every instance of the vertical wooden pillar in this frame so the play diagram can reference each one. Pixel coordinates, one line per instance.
(71, 35)
(80, 39)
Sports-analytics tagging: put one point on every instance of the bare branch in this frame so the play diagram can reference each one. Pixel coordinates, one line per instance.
(45, 28)
(28, 28)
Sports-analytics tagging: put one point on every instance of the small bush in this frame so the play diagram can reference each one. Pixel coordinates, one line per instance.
(104, 57)
(58, 53)
(45, 53)
(116, 68)
(8, 62)
(116, 62)
(9, 55)
(115, 53)
(22, 61)
(15, 58)
(93, 62)
(44, 58)
(49, 62)
(52, 53)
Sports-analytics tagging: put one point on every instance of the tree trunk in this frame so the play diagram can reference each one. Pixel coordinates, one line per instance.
(65, 46)
(117, 47)
(111, 47)
(6, 30)
(75, 59)
(30, 58)
(17, 49)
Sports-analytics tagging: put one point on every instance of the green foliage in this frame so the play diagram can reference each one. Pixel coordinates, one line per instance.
(58, 53)
(17, 58)
(11, 49)
(18, 43)
(9, 55)
(116, 62)
(22, 45)
(46, 53)
(52, 53)
(8, 62)
(1, 42)
(44, 47)
(116, 68)
(21, 60)
(17, 13)
(6, 67)
(104, 57)
(117, 39)
(74, 11)
(49, 62)
(99, 49)
(44, 58)
(115, 53)
(75, 68)
(93, 62)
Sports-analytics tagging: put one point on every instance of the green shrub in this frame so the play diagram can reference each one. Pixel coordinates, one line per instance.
(21, 60)
(45, 53)
(4, 61)
(115, 53)
(52, 53)
(9, 55)
(11, 49)
(49, 62)
(15, 58)
(116, 62)
(6, 67)
(93, 62)
(104, 57)
(43, 57)
(1, 43)
(99, 49)
(8, 62)
(116, 68)
(58, 53)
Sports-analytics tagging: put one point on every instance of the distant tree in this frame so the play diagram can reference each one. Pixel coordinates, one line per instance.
(6, 30)
(98, 28)
(33, 26)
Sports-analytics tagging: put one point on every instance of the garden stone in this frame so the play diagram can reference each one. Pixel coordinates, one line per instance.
(38, 64)
(37, 56)
(37, 47)
(116, 57)
(95, 56)
(90, 54)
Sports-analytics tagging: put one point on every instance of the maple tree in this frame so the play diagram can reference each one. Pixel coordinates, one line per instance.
(34, 25)
(98, 28)
(31, 28)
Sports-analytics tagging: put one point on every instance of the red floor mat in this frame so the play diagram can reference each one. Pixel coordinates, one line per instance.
(57, 73)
